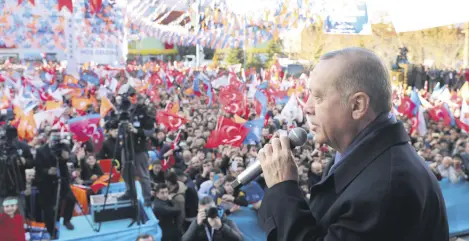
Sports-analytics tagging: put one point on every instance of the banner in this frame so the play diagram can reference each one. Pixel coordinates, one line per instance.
(436, 14)
(99, 33)
(346, 17)
(39, 26)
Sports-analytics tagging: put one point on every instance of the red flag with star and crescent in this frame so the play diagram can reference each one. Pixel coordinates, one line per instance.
(228, 132)
(170, 121)
(440, 112)
(406, 107)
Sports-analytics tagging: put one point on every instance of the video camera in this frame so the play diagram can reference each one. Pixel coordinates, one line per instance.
(213, 212)
(6, 115)
(60, 142)
(10, 178)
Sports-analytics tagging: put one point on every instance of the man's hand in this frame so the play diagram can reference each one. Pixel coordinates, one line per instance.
(52, 171)
(228, 197)
(215, 223)
(133, 129)
(234, 208)
(277, 162)
(201, 216)
(81, 153)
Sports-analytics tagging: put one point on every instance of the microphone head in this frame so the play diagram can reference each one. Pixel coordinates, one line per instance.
(298, 137)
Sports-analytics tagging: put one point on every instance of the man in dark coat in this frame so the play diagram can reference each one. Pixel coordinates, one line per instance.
(166, 213)
(50, 167)
(377, 188)
(211, 229)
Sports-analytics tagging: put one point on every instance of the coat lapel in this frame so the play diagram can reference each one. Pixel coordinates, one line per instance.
(367, 152)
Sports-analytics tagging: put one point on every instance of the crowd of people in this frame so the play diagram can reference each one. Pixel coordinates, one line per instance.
(192, 131)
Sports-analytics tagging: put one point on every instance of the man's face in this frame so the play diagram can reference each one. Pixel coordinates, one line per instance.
(156, 168)
(195, 162)
(239, 170)
(316, 168)
(113, 133)
(228, 188)
(211, 126)
(163, 194)
(91, 160)
(160, 136)
(326, 124)
(29, 176)
(186, 155)
(207, 166)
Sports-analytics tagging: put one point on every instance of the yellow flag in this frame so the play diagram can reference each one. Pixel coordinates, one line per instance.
(238, 119)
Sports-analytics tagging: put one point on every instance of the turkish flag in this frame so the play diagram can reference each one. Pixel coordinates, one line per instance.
(86, 127)
(439, 112)
(171, 121)
(31, 1)
(227, 133)
(406, 107)
(66, 3)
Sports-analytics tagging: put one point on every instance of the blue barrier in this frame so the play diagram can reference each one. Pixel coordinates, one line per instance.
(457, 206)
(246, 220)
(113, 230)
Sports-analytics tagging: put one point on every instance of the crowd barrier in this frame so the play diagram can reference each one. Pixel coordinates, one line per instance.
(457, 206)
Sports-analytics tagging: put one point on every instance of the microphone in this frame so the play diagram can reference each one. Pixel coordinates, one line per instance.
(297, 136)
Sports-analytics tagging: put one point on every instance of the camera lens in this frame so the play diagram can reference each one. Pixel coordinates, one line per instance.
(212, 212)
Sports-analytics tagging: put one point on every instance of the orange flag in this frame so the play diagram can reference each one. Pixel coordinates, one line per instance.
(173, 108)
(27, 127)
(52, 105)
(106, 106)
(80, 103)
(68, 79)
(82, 198)
(4, 102)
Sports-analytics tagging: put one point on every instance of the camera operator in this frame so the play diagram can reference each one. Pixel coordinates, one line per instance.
(18, 158)
(108, 151)
(54, 154)
(212, 226)
(140, 127)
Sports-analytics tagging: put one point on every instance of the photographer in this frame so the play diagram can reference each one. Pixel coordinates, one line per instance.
(51, 164)
(16, 158)
(140, 127)
(108, 151)
(211, 226)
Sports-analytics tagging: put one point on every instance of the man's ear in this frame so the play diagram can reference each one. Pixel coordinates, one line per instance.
(360, 103)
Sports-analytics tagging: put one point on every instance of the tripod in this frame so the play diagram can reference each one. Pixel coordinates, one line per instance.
(58, 199)
(125, 141)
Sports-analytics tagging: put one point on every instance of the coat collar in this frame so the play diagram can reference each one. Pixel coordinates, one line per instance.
(367, 152)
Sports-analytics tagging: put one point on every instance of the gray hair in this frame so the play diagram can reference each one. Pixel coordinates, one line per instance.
(364, 72)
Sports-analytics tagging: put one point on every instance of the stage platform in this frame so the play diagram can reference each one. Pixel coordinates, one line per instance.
(116, 230)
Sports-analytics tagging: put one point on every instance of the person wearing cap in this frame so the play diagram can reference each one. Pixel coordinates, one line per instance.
(11, 222)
